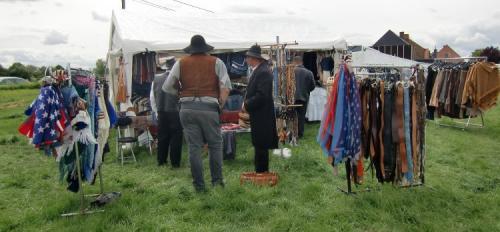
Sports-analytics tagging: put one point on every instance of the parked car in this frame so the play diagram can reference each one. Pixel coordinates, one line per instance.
(12, 80)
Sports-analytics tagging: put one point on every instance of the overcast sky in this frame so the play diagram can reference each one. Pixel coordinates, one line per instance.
(43, 32)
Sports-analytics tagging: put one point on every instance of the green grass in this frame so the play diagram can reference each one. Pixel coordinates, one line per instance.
(462, 191)
(30, 85)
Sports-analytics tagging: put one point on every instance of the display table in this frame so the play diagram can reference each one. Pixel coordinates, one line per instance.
(229, 132)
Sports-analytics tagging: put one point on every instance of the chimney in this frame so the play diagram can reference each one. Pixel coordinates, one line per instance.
(404, 36)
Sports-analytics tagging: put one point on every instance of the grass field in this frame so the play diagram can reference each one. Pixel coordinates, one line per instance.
(462, 191)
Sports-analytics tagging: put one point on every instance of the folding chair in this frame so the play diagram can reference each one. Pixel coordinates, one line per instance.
(122, 140)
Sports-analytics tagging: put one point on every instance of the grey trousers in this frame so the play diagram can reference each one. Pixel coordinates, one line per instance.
(202, 127)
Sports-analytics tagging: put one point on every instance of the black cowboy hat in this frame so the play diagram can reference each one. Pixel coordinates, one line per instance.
(198, 45)
(255, 52)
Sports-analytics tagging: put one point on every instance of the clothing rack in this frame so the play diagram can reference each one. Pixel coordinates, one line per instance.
(280, 53)
(467, 123)
(348, 163)
(464, 58)
(83, 210)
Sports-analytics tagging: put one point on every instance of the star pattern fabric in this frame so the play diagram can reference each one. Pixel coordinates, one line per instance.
(340, 132)
(46, 122)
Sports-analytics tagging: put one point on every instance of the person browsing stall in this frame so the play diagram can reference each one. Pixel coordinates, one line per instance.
(203, 84)
(304, 84)
(259, 104)
(166, 108)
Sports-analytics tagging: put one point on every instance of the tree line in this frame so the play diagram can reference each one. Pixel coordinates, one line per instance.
(34, 73)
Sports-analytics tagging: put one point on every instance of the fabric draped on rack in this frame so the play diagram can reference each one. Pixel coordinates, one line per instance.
(68, 115)
(143, 72)
(482, 86)
(460, 90)
(340, 132)
(121, 94)
(46, 123)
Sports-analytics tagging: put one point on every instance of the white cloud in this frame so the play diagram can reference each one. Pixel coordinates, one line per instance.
(98, 17)
(241, 9)
(55, 38)
(7, 57)
(11, 1)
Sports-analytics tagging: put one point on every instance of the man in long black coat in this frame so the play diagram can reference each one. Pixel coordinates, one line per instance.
(259, 104)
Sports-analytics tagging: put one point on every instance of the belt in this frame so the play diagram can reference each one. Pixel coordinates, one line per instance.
(408, 139)
(414, 122)
(375, 126)
(398, 128)
(389, 153)
(380, 133)
(366, 120)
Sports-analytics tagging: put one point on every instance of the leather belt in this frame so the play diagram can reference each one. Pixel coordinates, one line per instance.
(398, 128)
(380, 134)
(414, 123)
(389, 153)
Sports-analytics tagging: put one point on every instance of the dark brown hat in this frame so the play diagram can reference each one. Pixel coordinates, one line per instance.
(255, 52)
(198, 45)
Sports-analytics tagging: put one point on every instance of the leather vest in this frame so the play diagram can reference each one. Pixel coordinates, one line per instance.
(198, 77)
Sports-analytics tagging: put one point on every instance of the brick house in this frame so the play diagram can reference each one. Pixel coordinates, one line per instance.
(401, 46)
(447, 52)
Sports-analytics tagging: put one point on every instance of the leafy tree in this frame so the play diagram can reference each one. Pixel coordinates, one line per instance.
(477, 52)
(3, 71)
(19, 70)
(492, 53)
(100, 68)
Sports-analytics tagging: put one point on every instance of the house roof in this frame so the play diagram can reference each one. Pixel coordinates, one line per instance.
(390, 39)
(447, 49)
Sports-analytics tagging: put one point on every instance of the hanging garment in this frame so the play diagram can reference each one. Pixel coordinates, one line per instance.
(482, 86)
(46, 124)
(121, 94)
(103, 132)
(340, 131)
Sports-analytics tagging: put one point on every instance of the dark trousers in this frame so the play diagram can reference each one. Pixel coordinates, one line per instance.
(169, 137)
(301, 114)
(261, 160)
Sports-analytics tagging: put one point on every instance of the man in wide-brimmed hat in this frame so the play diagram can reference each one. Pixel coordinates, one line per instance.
(166, 108)
(260, 106)
(203, 84)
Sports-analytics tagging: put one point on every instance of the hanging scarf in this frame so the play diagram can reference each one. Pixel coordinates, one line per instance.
(46, 123)
(340, 131)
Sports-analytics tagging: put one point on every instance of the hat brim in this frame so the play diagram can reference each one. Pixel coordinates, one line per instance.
(202, 49)
(255, 55)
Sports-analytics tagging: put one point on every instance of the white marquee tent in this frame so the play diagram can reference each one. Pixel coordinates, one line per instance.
(134, 32)
(369, 57)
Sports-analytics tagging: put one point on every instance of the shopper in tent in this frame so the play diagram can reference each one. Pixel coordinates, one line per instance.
(304, 84)
(166, 108)
(203, 84)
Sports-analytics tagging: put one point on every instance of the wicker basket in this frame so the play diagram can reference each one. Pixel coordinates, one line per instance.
(259, 179)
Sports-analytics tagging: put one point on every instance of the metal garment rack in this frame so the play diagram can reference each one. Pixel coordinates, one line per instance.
(348, 166)
(83, 210)
(467, 123)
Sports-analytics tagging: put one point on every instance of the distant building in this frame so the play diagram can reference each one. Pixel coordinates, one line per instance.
(401, 46)
(447, 52)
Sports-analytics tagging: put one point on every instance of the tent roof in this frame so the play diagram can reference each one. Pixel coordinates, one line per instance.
(134, 32)
(369, 57)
